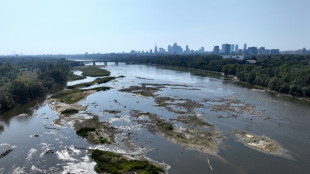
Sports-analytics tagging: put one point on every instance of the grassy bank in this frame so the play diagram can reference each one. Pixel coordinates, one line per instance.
(93, 71)
(74, 95)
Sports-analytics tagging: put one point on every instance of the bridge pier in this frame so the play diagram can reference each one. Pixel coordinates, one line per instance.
(105, 63)
(94, 63)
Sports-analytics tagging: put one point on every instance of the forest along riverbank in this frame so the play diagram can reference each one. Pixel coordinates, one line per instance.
(136, 118)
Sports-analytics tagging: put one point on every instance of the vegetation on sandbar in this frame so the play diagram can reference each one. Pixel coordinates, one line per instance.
(200, 136)
(95, 131)
(74, 95)
(73, 77)
(147, 90)
(93, 71)
(109, 162)
(71, 95)
(84, 131)
(103, 88)
(165, 126)
(68, 112)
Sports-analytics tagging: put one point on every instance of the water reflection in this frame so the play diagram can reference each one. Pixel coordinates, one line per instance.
(26, 109)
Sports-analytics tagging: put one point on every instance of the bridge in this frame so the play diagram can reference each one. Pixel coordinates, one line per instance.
(105, 62)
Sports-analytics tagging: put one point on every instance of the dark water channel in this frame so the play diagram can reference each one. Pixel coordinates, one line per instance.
(39, 146)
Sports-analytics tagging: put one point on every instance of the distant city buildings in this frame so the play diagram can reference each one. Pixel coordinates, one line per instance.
(236, 48)
(303, 51)
(274, 51)
(155, 50)
(175, 49)
(252, 51)
(216, 50)
(232, 49)
(226, 50)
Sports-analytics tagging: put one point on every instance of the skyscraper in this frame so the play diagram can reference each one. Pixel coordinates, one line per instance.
(226, 49)
(169, 49)
(245, 51)
(216, 50)
(261, 50)
(202, 50)
(175, 49)
(187, 49)
(275, 51)
(155, 50)
(236, 48)
(252, 50)
(232, 48)
(223, 48)
(162, 50)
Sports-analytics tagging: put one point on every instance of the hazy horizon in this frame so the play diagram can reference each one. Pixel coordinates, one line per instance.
(78, 26)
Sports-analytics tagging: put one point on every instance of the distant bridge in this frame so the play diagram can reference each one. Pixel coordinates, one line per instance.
(105, 62)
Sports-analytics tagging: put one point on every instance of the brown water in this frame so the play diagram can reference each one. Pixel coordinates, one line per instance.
(288, 124)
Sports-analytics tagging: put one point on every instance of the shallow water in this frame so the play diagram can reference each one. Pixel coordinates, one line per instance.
(288, 123)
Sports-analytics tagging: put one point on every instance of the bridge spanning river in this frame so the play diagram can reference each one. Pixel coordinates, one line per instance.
(95, 62)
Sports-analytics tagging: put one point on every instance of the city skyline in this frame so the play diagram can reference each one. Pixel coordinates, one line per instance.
(76, 26)
(226, 49)
(175, 48)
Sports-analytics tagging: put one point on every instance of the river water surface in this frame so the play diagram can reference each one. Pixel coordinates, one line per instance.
(40, 146)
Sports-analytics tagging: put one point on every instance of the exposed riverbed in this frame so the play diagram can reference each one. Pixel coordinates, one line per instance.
(171, 118)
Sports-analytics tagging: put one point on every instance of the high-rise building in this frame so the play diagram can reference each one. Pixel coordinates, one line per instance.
(202, 50)
(177, 49)
(169, 49)
(236, 48)
(275, 51)
(232, 48)
(261, 51)
(239, 52)
(216, 50)
(155, 50)
(252, 50)
(245, 51)
(187, 50)
(226, 49)
(244, 47)
(162, 51)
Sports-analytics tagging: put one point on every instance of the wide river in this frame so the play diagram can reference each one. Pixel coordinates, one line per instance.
(40, 146)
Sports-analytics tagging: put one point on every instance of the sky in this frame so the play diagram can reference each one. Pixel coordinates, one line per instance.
(105, 26)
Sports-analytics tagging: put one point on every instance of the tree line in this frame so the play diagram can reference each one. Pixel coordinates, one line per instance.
(46, 75)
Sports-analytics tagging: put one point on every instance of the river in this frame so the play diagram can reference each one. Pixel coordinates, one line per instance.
(40, 146)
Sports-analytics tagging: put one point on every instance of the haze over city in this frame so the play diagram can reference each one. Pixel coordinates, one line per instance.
(77, 26)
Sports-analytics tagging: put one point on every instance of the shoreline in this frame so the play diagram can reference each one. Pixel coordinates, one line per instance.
(225, 77)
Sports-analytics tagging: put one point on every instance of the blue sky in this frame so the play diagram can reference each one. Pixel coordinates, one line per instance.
(78, 26)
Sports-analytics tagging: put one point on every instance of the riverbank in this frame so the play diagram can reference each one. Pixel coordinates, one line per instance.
(201, 72)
